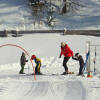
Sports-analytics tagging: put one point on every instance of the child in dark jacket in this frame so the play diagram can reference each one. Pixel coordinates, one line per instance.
(81, 62)
(22, 63)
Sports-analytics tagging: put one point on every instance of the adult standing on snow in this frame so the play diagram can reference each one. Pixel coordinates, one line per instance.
(22, 63)
(81, 62)
(67, 52)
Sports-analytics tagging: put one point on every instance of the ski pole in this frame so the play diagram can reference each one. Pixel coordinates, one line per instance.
(95, 59)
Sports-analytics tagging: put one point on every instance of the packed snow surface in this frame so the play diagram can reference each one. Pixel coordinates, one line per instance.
(52, 85)
(17, 14)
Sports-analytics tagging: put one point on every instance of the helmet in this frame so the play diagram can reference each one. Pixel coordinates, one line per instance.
(33, 57)
(63, 44)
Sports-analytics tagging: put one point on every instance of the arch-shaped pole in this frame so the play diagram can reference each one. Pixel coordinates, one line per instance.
(24, 52)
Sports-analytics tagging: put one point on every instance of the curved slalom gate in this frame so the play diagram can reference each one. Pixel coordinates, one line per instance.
(24, 52)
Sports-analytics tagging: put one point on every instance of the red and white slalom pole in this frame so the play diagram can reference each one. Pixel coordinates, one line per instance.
(24, 52)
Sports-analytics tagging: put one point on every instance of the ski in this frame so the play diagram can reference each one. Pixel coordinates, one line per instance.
(64, 73)
(81, 75)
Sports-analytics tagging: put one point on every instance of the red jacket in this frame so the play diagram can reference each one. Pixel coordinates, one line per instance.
(66, 51)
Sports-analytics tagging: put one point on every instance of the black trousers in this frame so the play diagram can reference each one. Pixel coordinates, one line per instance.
(37, 68)
(65, 63)
(81, 68)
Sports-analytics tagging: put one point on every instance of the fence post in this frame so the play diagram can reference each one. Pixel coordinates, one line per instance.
(5, 34)
(95, 59)
(88, 62)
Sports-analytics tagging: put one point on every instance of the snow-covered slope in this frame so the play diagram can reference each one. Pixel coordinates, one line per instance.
(17, 14)
(86, 17)
(43, 45)
(48, 86)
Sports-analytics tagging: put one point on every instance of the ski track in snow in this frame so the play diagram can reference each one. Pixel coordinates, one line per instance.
(48, 86)
(57, 87)
(42, 89)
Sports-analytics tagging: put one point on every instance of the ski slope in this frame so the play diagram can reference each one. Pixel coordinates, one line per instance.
(16, 14)
(45, 87)
(48, 86)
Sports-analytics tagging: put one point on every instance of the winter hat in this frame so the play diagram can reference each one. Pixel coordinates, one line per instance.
(33, 57)
(23, 54)
(76, 54)
(63, 44)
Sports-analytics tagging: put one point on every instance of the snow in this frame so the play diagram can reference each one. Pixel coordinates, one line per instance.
(48, 86)
(17, 14)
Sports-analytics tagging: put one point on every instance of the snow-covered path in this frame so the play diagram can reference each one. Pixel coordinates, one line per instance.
(19, 87)
(46, 87)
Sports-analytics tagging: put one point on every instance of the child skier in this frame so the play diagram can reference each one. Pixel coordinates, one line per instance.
(81, 62)
(38, 64)
(22, 63)
(67, 52)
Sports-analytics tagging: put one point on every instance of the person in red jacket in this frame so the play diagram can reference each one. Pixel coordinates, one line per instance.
(67, 53)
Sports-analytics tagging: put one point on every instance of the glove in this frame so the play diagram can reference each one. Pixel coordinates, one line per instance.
(26, 60)
(60, 56)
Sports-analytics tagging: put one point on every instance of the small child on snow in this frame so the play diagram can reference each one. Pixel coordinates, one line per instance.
(38, 64)
(22, 63)
(81, 62)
